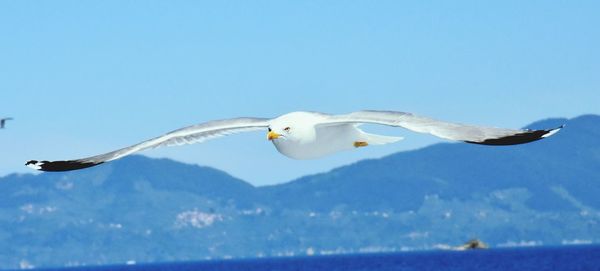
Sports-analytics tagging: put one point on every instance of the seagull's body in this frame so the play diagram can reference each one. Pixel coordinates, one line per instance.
(309, 135)
(315, 138)
(322, 142)
(3, 122)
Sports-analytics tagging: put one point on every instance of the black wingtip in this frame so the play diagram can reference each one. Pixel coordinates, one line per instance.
(520, 138)
(59, 165)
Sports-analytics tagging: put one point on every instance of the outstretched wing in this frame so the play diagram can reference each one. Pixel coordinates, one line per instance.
(188, 135)
(446, 130)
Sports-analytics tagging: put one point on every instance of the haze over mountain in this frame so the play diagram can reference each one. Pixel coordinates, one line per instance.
(148, 210)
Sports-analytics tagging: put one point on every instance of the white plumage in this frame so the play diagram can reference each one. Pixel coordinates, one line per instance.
(309, 135)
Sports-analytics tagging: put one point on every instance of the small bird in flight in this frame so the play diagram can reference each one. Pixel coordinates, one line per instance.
(3, 121)
(309, 135)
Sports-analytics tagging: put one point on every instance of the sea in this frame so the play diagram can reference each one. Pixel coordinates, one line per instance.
(585, 258)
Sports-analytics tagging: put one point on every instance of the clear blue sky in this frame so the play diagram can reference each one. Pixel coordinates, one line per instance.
(86, 77)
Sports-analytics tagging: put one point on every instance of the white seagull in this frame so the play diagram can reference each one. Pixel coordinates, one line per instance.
(309, 135)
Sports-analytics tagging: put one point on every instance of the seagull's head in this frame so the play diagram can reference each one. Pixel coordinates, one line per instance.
(293, 127)
(286, 132)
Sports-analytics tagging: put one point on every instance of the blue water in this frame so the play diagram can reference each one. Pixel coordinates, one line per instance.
(547, 258)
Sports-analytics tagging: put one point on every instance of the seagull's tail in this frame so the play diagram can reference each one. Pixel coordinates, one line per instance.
(373, 139)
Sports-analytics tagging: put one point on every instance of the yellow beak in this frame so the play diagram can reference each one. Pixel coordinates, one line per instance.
(272, 135)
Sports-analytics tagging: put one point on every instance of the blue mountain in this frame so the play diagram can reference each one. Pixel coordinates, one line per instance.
(151, 210)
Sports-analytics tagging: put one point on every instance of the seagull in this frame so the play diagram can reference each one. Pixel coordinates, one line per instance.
(3, 121)
(310, 135)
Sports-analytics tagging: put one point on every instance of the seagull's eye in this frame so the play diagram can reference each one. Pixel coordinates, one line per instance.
(269, 129)
(287, 129)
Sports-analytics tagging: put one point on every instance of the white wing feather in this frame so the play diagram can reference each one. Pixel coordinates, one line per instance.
(446, 130)
(188, 135)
